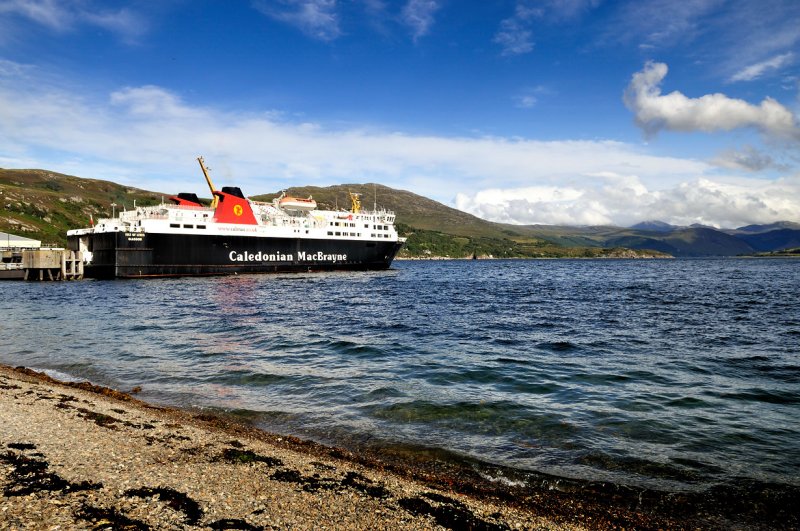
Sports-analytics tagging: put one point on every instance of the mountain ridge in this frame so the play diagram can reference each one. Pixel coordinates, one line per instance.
(44, 204)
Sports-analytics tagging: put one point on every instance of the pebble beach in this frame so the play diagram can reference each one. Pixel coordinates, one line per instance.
(79, 456)
(74, 455)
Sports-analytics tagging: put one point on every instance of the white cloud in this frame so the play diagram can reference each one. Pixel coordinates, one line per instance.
(748, 159)
(149, 137)
(526, 101)
(419, 16)
(661, 22)
(66, 15)
(713, 112)
(610, 199)
(725, 36)
(318, 19)
(124, 22)
(51, 13)
(755, 71)
(515, 35)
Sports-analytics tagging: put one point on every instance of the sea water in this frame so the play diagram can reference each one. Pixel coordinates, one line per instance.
(666, 374)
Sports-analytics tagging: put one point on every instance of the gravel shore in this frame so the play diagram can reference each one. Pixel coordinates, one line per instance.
(78, 456)
(81, 456)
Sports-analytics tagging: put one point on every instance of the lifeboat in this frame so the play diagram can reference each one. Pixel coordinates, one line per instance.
(297, 203)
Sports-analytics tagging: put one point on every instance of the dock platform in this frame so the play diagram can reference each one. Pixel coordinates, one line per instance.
(41, 264)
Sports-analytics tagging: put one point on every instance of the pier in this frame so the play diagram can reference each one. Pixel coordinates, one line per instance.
(40, 264)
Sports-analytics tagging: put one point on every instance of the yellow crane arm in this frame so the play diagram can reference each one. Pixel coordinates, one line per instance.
(214, 198)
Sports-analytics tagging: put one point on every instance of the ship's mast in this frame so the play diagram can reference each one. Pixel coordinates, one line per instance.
(214, 198)
(355, 200)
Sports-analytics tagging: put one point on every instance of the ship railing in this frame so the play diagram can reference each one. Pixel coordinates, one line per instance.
(380, 213)
(191, 207)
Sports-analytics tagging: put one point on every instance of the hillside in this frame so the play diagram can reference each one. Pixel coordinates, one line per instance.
(43, 205)
(434, 229)
(411, 209)
(695, 241)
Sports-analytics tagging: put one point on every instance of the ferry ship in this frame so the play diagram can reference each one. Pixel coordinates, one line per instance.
(236, 235)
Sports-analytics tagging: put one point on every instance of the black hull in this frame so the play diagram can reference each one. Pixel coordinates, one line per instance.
(135, 255)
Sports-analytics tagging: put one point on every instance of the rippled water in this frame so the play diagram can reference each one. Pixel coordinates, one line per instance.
(671, 374)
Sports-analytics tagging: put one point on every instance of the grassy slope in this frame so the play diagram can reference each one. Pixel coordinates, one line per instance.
(434, 229)
(43, 205)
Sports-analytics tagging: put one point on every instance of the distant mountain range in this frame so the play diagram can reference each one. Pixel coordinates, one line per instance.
(699, 240)
(43, 204)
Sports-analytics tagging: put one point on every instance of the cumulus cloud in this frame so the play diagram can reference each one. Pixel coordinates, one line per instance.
(610, 199)
(419, 16)
(748, 159)
(713, 112)
(148, 137)
(318, 19)
(755, 71)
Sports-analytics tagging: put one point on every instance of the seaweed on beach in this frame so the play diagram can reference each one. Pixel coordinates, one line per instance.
(450, 513)
(174, 499)
(21, 446)
(365, 485)
(101, 518)
(101, 419)
(233, 523)
(31, 475)
(314, 483)
(307, 483)
(235, 455)
(107, 421)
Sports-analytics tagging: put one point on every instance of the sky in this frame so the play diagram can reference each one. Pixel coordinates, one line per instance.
(570, 112)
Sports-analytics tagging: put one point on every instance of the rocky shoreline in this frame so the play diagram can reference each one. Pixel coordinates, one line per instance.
(81, 456)
(78, 456)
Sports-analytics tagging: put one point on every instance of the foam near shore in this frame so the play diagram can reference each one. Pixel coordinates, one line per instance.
(76, 455)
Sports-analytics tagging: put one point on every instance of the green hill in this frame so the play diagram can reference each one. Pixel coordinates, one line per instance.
(43, 205)
(436, 230)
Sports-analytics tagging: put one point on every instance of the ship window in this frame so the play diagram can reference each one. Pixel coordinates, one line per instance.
(338, 233)
(201, 226)
(175, 225)
(330, 233)
(188, 226)
(366, 225)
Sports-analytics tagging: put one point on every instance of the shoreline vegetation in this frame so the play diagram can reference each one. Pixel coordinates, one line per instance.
(78, 455)
(611, 254)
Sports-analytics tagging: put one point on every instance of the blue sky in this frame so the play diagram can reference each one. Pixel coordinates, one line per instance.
(562, 111)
